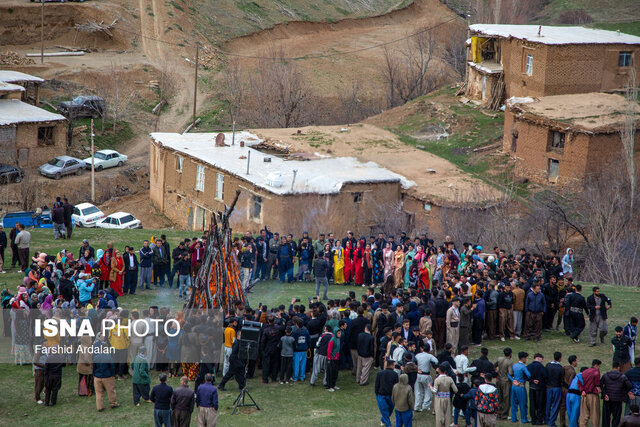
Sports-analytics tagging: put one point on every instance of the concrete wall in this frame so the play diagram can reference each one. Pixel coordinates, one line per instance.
(564, 69)
(174, 193)
(28, 153)
(582, 155)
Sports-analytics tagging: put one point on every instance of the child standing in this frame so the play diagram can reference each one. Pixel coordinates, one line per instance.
(286, 356)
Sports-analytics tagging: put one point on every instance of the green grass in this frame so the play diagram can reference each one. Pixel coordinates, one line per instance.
(281, 404)
(106, 139)
(624, 27)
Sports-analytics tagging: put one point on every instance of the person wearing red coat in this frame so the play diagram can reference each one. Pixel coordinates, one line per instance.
(105, 266)
(116, 278)
(358, 271)
(348, 263)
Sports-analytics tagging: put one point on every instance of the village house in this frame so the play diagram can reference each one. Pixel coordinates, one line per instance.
(564, 138)
(193, 175)
(530, 60)
(30, 92)
(29, 135)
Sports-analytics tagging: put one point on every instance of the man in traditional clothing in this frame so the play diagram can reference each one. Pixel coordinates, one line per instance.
(443, 386)
(453, 323)
(631, 330)
(597, 305)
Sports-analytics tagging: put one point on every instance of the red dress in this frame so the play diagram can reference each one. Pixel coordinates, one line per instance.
(348, 265)
(117, 284)
(105, 266)
(358, 271)
(424, 282)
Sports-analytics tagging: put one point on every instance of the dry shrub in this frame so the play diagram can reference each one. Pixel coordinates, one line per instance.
(575, 17)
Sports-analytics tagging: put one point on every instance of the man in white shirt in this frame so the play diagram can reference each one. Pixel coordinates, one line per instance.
(424, 398)
(462, 363)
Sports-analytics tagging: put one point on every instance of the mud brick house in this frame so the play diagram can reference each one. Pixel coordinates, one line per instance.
(30, 85)
(565, 137)
(193, 175)
(532, 60)
(11, 91)
(29, 135)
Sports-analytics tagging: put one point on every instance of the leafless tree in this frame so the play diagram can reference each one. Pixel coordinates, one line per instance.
(234, 88)
(628, 133)
(455, 52)
(29, 190)
(409, 71)
(281, 95)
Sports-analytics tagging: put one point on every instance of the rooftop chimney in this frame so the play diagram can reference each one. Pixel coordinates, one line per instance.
(539, 30)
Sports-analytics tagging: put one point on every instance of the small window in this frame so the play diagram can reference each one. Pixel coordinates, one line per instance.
(45, 136)
(357, 197)
(179, 162)
(107, 220)
(257, 207)
(556, 140)
(624, 59)
(529, 64)
(115, 221)
(427, 207)
(200, 178)
(220, 187)
(76, 211)
(70, 163)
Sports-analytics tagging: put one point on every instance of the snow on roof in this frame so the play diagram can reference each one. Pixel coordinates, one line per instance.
(555, 35)
(518, 100)
(322, 176)
(9, 76)
(593, 112)
(487, 67)
(14, 111)
(10, 87)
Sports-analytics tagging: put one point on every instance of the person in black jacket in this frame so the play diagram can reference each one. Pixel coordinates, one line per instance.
(68, 211)
(3, 246)
(555, 379)
(575, 306)
(52, 378)
(552, 297)
(161, 398)
(385, 380)
(364, 354)
(597, 306)
(357, 327)
(483, 364)
(57, 217)
(237, 363)
(130, 271)
(182, 402)
(270, 354)
(176, 255)
(621, 344)
(615, 390)
(537, 389)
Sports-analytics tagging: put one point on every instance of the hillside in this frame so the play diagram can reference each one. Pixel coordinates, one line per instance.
(226, 19)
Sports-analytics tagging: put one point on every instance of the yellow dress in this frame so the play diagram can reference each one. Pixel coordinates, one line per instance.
(338, 266)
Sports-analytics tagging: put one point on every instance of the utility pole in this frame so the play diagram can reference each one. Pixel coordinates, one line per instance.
(195, 84)
(42, 32)
(93, 169)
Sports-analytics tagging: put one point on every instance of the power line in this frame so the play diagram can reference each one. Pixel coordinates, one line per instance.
(297, 58)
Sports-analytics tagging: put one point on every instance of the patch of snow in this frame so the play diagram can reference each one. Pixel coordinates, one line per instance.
(478, 66)
(9, 76)
(13, 111)
(555, 35)
(322, 176)
(519, 100)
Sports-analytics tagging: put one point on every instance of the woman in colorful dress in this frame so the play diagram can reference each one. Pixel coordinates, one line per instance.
(398, 273)
(378, 267)
(408, 261)
(116, 275)
(387, 259)
(358, 257)
(338, 263)
(348, 263)
(367, 266)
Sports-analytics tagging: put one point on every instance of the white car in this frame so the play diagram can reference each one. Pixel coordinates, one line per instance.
(120, 220)
(103, 159)
(86, 215)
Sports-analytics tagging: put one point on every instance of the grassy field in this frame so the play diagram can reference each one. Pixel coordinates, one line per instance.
(281, 404)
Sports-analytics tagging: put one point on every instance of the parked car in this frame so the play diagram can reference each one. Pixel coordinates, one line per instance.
(86, 215)
(103, 159)
(120, 220)
(82, 106)
(10, 173)
(62, 165)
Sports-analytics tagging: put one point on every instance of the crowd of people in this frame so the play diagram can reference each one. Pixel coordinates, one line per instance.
(424, 305)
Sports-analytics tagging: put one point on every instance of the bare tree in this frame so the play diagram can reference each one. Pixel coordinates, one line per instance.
(409, 71)
(29, 190)
(455, 52)
(234, 89)
(628, 133)
(281, 95)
